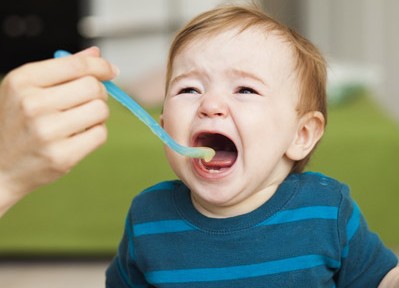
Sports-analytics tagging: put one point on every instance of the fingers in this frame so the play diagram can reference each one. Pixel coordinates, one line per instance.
(52, 115)
(56, 71)
(64, 96)
(65, 154)
(64, 124)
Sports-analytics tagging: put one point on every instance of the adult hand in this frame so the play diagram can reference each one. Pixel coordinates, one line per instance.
(52, 115)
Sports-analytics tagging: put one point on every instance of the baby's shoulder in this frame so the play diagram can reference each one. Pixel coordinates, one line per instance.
(321, 181)
(155, 199)
(155, 191)
(319, 189)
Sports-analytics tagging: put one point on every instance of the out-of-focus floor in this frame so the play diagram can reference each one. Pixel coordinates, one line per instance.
(53, 274)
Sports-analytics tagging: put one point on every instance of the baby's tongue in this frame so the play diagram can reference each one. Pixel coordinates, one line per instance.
(222, 159)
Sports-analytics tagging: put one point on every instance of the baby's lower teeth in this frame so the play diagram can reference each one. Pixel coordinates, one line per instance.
(214, 169)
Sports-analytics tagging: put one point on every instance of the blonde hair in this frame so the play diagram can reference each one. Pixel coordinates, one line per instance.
(310, 64)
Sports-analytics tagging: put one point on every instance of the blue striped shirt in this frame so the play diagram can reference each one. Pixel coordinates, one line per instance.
(309, 234)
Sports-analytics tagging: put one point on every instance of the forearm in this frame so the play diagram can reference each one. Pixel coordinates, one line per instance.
(391, 280)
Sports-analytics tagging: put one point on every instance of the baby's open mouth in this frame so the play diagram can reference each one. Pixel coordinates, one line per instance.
(226, 150)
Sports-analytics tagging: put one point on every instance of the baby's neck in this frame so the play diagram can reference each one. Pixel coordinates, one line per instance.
(236, 209)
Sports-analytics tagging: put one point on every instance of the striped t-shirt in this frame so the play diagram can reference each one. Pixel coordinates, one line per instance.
(309, 234)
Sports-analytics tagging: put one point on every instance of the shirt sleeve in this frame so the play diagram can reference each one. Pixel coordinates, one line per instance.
(123, 272)
(364, 258)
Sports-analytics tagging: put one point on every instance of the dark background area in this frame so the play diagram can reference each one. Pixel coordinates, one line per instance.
(33, 30)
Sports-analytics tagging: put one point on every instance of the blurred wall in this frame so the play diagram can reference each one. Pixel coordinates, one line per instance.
(135, 35)
(363, 32)
(358, 38)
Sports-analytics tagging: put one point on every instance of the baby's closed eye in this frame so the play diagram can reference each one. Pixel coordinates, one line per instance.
(246, 90)
(188, 90)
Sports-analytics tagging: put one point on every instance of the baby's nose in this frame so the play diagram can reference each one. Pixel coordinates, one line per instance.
(213, 106)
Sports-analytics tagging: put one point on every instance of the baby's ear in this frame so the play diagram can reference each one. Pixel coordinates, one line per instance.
(309, 132)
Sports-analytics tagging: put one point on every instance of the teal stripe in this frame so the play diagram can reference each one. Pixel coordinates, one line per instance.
(172, 226)
(240, 272)
(353, 223)
(158, 227)
(129, 237)
(305, 213)
(351, 228)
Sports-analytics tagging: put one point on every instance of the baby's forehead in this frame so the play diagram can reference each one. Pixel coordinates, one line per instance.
(259, 37)
(253, 42)
(262, 53)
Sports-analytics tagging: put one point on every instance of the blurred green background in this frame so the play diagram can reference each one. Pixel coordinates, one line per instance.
(83, 213)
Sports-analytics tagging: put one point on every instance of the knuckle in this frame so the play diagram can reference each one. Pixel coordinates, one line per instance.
(101, 134)
(13, 80)
(93, 86)
(94, 89)
(40, 132)
(58, 161)
(79, 64)
(100, 108)
(29, 107)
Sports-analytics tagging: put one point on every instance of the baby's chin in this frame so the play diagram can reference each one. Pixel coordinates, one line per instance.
(213, 205)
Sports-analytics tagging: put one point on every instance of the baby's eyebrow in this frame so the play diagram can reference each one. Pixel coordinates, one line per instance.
(246, 74)
(234, 72)
(192, 73)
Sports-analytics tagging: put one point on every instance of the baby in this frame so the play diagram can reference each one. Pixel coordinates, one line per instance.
(255, 91)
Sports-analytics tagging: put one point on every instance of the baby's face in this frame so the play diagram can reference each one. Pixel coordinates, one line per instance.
(238, 94)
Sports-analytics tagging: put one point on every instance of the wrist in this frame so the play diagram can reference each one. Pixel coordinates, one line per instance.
(8, 196)
(6, 201)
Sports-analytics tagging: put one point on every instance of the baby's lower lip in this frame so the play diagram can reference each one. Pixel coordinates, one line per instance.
(216, 170)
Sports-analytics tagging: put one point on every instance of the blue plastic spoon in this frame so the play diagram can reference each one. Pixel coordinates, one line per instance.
(118, 94)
